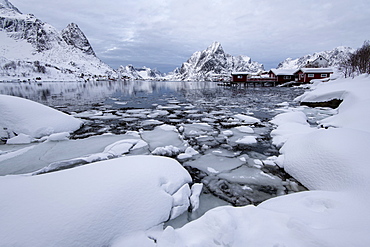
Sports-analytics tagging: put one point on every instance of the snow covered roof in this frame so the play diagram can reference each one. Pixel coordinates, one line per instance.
(241, 73)
(283, 71)
(315, 70)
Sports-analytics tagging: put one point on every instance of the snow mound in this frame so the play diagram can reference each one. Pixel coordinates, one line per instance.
(92, 205)
(20, 115)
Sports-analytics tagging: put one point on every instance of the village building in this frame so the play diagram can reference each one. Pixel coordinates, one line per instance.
(282, 75)
(240, 76)
(305, 75)
(319, 62)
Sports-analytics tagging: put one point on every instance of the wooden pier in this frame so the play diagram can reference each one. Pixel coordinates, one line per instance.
(250, 81)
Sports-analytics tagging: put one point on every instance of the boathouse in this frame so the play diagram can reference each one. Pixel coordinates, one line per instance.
(282, 75)
(240, 76)
(305, 75)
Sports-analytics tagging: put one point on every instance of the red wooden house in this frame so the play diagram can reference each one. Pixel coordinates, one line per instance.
(305, 75)
(240, 76)
(282, 75)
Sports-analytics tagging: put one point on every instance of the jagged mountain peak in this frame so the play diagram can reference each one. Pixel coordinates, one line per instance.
(73, 35)
(214, 62)
(215, 48)
(5, 4)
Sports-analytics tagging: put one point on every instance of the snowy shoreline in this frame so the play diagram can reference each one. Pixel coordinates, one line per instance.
(331, 160)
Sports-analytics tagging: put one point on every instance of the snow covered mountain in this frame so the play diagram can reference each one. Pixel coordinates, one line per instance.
(214, 62)
(144, 73)
(30, 48)
(334, 58)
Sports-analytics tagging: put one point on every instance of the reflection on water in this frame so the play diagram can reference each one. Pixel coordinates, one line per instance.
(80, 96)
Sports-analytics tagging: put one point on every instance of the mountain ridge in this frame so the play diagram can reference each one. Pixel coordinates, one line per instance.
(212, 62)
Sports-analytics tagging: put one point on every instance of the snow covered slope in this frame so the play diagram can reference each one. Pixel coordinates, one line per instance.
(144, 73)
(204, 65)
(30, 48)
(334, 57)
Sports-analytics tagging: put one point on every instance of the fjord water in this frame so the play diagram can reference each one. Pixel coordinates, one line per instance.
(203, 113)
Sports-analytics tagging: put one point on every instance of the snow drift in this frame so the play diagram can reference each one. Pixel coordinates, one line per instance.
(22, 116)
(92, 205)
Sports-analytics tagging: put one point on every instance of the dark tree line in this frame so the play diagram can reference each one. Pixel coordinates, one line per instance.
(358, 62)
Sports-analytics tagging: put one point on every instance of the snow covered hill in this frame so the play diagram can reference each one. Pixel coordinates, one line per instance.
(213, 62)
(334, 57)
(30, 48)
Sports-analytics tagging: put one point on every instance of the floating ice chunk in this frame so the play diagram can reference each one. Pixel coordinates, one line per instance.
(197, 129)
(196, 189)
(247, 140)
(151, 122)
(121, 147)
(247, 119)
(169, 151)
(227, 133)
(161, 136)
(212, 164)
(181, 201)
(105, 116)
(20, 139)
(245, 129)
(64, 136)
(189, 153)
(249, 175)
(168, 107)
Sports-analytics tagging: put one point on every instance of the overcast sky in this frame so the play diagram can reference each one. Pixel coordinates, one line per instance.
(163, 34)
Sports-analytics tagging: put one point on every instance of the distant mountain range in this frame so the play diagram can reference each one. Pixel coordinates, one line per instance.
(32, 49)
(334, 58)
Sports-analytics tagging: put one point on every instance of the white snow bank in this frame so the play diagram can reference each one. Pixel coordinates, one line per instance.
(91, 205)
(289, 124)
(353, 112)
(329, 159)
(20, 115)
(306, 219)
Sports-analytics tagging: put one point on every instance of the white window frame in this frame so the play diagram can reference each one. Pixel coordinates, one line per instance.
(324, 75)
(310, 75)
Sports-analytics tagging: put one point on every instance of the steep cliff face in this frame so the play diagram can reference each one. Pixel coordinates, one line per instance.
(334, 58)
(31, 48)
(73, 35)
(204, 65)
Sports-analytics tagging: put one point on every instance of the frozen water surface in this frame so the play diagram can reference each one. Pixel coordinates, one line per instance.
(221, 135)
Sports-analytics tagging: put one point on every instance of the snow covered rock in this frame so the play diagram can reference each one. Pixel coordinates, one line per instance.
(92, 205)
(20, 115)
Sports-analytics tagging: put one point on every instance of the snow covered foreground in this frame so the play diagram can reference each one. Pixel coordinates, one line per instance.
(92, 205)
(333, 163)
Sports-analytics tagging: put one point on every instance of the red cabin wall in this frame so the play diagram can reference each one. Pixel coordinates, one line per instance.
(242, 79)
